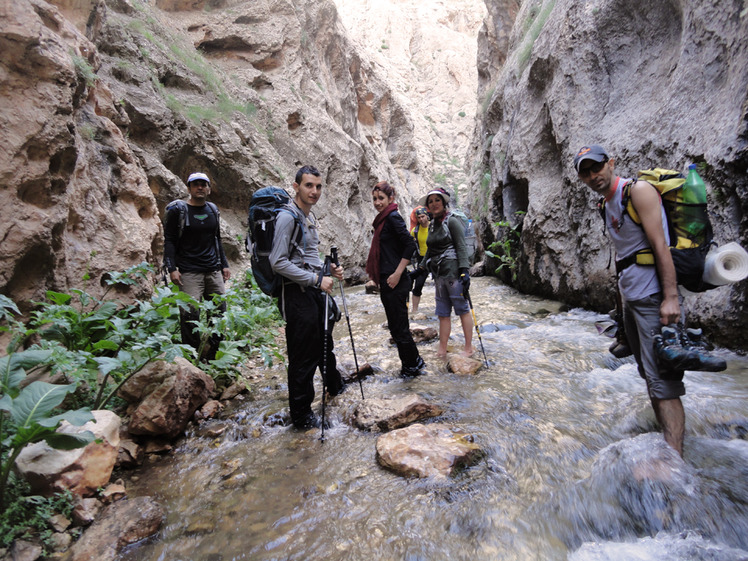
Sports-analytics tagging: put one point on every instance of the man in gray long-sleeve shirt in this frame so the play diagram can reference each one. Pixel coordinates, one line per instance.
(302, 300)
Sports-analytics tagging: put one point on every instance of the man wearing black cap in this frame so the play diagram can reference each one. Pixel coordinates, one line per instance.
(650, 294)
(193, 253)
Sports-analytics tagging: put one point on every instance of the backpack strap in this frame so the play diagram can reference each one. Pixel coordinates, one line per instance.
(297, 233)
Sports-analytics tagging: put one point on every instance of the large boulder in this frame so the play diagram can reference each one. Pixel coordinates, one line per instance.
(165, 411)
(83, 470)
(434, 450)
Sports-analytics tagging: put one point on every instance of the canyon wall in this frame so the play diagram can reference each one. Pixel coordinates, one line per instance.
(108, 105)
(657, 83)
(427, 52)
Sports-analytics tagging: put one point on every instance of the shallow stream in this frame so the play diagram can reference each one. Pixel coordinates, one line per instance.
(548, 489)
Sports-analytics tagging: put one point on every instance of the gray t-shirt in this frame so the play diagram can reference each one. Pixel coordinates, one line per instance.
(300, 264)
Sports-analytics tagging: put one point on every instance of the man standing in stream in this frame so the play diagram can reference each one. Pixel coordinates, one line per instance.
(302, 300)
(650, 294)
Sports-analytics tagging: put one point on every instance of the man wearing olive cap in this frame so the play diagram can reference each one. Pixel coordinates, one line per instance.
(650, 294)
(193, 253)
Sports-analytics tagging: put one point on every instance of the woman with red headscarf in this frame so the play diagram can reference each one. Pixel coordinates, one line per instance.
(391, 250)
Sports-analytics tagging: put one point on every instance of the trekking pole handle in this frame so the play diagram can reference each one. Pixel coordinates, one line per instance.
(334, 256)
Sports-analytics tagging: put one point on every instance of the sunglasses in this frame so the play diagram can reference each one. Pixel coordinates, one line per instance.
(594, 168)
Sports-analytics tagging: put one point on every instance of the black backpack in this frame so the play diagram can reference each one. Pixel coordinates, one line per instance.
(184, 216)
(184, 220)
(264, 208)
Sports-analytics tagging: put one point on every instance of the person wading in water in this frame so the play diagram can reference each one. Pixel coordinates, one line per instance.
(302, 301)
(391, 250)
(447, 259)
(650, 294)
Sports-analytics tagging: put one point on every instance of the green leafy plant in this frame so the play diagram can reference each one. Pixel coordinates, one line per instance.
(248, 325)
(103, 343)
(84, 70)
(28, 516)
(26, 412)
(506, 248)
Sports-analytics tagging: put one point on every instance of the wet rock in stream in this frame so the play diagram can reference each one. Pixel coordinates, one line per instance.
(386, 414)
(435, 450)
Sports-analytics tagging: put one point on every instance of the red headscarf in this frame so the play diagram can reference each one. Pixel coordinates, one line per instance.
(372, 263)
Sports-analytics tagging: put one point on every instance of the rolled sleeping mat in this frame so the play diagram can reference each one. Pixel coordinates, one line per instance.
(726, 264)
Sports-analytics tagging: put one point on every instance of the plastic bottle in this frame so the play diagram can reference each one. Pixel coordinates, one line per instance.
(694, 190)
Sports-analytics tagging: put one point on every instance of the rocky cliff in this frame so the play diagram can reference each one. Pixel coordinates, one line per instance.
(108, 105)
(656, 83)
(426, 51)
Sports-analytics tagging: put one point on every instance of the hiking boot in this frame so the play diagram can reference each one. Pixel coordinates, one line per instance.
(413, 371)
(619, 350)
(337, 391)
(309, 421)
(694, 339)
(672, 355)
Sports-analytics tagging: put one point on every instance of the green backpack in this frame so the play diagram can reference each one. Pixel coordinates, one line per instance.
(471, 240)
(688, 225)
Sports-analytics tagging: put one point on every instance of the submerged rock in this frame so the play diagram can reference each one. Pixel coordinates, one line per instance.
(435, 450)
(123, 523)
(391, 413)
(463, 365)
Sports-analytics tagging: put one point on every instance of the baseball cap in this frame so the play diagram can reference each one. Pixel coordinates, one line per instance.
(196, 177)
(437, 191)
(593, 152)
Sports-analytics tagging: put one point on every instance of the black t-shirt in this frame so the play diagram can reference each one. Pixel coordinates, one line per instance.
(199, 248)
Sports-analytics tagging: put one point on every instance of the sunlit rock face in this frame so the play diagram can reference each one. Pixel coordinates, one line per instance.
(109, 106)
(658, 84)
(427, 51)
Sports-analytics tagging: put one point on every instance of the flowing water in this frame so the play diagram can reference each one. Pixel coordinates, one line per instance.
(573, 468)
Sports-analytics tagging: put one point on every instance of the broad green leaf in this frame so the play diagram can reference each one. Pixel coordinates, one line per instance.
(58, 297)
(107, 364)
(12, 367)
(7, 304)
(78, 417)
(36, 401)
(65, 441)
(106, 345)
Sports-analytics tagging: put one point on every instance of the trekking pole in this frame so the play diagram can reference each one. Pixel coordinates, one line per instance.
(466, 294)
(334, 256)
(325, 268)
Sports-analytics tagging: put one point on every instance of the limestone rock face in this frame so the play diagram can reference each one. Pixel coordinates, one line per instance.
(108, 106)
(82, 470)
(78, 202)
(433, 450)
(427, 51)
(649, 81)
